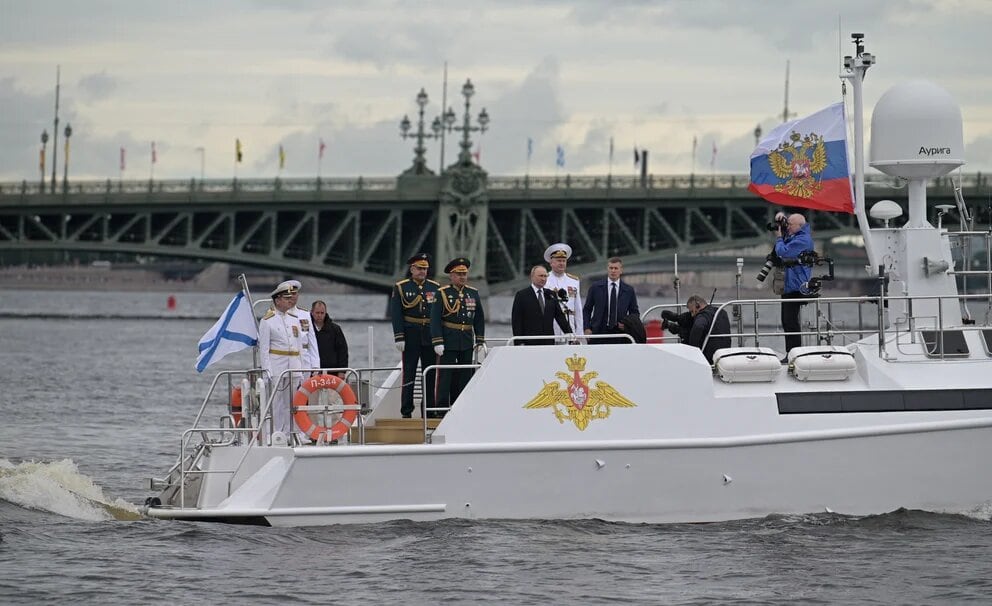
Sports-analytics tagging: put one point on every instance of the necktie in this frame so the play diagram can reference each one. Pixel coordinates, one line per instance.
(613, 305)
(540, 299)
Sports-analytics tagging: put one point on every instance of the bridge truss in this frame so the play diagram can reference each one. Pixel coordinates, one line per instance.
(362, 231)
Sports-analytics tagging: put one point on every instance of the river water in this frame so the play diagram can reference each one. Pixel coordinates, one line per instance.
(95, 389)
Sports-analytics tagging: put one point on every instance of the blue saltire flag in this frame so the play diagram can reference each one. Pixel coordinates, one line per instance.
(560, 159)
(530, 147)
(234, 331)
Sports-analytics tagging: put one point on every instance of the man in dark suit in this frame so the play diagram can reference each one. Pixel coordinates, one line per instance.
(536, 309)
(607, 302)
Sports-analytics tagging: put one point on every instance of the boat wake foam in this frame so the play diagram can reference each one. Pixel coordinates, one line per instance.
(58, 487)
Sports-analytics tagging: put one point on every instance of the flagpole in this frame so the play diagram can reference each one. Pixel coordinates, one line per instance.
(693, 171)
(609, 174)
(251, 305)
(444, 104)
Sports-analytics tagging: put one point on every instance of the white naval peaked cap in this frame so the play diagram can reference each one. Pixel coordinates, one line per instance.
(560, 247)
(290, 287)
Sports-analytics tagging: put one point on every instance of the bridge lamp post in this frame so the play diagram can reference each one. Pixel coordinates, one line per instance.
(65, 162)
(41, 164)
(757, 135)
(419, 162)
(465, 156)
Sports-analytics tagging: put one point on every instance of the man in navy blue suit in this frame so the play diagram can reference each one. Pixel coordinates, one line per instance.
(607, 302)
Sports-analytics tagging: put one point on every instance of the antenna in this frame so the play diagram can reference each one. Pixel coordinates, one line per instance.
(785, 110)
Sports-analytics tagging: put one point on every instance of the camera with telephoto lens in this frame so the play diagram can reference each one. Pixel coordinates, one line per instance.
(672, 321)
(780, 225)
(772, 260)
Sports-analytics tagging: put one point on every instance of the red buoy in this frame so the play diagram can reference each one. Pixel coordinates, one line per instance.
(171, 302)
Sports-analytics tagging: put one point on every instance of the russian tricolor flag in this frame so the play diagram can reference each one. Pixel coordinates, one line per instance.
(803, 163)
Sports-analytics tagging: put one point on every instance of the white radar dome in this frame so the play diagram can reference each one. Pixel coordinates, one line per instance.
(916, 132)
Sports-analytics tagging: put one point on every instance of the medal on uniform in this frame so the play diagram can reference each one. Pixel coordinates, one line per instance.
(429, 295)
(305, 324)
(296, 331)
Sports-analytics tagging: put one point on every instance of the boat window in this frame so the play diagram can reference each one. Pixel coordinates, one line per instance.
(987, 341)
(953, 344)
(791, 403)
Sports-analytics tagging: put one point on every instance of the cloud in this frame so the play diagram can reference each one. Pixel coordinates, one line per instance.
(97, 87)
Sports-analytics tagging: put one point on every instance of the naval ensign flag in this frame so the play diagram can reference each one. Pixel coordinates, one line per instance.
(235, 330)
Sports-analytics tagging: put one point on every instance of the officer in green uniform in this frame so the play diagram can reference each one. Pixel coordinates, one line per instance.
(410, 310)
(458, 324)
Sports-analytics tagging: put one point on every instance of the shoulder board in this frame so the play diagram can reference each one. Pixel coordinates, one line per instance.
(303, 309)
(472, 288)
(268, 314)
(434, 283)
(291, 313)
(572, 276)
(403, 281)
(445, 287)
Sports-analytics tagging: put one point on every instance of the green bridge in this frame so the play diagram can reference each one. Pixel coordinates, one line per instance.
(361, 231)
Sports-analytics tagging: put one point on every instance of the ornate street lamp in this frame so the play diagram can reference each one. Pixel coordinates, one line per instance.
(465, 156)
(65, 161)
(757, 135)
(41, 163)
(419, 162)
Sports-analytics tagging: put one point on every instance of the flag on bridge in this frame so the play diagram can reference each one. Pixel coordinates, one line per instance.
(804, 163)
(154, 154)
(123, 162)
(320, 149)
(530, 148)
(237, 150)
(282, 158)
(560, 156)
(235, 330)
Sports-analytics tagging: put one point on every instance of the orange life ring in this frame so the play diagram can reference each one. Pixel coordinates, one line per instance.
(302, 398)
(236, 406)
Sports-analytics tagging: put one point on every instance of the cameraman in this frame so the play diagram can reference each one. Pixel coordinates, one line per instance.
(794, 238)
(693, 326)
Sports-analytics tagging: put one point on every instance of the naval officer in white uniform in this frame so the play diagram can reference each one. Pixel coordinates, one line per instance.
(310, 353)
(281, 343)
(557, 256)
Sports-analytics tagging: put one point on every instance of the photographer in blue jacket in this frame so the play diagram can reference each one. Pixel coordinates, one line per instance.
(794, 238)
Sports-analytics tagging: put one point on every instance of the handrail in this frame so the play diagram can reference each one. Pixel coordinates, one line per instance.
(938, 322)
(423, 377)
(361, 183)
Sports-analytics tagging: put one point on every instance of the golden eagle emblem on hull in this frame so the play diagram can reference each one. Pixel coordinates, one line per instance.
(578, 401)
(800, 162)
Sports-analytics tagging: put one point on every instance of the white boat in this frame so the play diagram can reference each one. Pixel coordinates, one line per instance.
(897, 416)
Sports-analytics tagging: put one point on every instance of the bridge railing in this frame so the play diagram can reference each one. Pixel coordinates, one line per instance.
(498, 183)
(152, 186)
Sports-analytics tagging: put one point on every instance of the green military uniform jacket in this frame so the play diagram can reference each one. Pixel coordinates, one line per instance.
(454, 318)
(410, 307)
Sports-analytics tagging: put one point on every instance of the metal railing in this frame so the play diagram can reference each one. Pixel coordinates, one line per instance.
(499, 183)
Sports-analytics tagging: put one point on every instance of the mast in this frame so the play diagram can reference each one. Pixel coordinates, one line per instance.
(854, 70)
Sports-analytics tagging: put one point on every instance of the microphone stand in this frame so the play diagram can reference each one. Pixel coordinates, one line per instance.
(561, 295)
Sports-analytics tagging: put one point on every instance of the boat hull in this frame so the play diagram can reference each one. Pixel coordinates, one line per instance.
(933, 466)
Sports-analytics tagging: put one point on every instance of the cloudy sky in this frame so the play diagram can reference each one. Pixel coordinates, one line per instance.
(652, 74)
